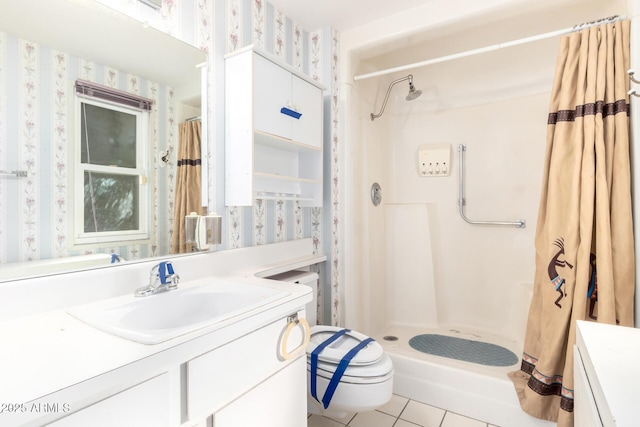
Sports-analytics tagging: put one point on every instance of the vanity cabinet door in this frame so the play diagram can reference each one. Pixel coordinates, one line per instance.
(280, 401)
(146, 404)
(221, 376)
(585, 407)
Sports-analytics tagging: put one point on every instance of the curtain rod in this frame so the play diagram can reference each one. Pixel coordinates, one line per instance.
(489, 48)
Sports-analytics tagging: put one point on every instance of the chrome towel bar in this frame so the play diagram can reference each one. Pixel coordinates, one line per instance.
(19, 174)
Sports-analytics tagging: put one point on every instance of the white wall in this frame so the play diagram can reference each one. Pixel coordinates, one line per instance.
(364, 223)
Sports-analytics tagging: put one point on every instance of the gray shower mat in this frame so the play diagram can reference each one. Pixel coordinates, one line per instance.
(463, 349)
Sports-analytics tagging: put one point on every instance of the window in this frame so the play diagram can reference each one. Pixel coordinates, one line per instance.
(110, 177)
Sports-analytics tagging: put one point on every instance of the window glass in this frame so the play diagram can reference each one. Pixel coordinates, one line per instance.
(108, 137)
(110, 202)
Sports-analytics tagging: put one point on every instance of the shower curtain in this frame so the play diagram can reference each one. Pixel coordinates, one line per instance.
(188, 183)
(584, 237)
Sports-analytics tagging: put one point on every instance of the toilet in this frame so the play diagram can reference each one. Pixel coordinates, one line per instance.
(367, 380)
(337, 385)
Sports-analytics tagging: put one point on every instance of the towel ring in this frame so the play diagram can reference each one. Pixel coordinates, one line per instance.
(292, 322)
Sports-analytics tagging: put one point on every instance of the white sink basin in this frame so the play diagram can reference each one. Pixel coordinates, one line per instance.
(157, 318)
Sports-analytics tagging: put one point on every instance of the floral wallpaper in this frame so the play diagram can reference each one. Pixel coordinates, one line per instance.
(334, 180)
(310, 52)
(29, 150)
(59, 138)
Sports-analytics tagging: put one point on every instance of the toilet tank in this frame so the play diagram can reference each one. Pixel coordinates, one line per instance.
(308, 278)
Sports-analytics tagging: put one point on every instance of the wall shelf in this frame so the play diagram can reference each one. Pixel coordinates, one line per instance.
(287, 197)
(286, 178)
(281, 143)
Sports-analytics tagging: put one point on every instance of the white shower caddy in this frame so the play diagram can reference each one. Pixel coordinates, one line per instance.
(273, 118)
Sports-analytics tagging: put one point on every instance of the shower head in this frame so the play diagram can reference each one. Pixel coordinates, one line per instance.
(413, 94)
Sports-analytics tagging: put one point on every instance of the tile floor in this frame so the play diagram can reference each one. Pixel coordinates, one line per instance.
(399, 412)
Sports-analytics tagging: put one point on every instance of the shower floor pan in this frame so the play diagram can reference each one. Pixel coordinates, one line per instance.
(470, 389)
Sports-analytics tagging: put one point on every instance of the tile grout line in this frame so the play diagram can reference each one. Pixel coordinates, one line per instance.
(403, 408)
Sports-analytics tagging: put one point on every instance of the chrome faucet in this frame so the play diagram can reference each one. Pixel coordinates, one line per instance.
(161, 279)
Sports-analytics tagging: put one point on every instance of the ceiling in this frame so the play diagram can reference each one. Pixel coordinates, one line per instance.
(343, 15)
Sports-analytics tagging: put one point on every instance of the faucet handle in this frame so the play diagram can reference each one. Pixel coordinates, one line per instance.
(167, 275)
(162, 272)
(175, 279)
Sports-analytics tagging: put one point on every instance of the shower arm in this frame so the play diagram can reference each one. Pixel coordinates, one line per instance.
(521, 223)
(386, 97)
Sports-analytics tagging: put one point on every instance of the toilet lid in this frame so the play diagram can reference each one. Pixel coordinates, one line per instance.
(336, 351)
(373, 373)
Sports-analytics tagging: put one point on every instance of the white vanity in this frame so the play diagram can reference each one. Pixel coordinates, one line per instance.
(58, 369)
(606, 375)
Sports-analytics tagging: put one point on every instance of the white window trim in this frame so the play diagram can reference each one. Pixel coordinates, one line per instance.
(82, 240)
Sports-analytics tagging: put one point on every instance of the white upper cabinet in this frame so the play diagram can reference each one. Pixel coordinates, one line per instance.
(273, 126)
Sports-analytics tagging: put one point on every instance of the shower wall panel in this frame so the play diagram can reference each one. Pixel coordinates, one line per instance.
(410, 285)
(479, 270)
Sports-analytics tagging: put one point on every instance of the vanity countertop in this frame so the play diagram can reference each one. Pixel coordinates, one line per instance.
(53, 352)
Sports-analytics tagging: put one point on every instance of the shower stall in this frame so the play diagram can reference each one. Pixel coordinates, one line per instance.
(412, 265)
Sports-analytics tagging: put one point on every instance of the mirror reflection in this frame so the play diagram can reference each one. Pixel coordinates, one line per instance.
(99, 175)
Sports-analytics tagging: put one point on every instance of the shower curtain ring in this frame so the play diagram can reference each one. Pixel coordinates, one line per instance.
(633, 92)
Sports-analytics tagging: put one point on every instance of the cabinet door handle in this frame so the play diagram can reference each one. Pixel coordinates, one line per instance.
(290, 112)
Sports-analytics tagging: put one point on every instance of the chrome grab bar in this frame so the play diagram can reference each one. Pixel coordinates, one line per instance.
(521, 223)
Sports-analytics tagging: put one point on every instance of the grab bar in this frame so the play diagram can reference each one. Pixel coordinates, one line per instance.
(521, 223)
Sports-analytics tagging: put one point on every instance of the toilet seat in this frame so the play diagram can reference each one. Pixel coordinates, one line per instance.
(336, 351)
(367, 374)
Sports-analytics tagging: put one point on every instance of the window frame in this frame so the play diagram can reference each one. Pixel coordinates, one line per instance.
(82, 239)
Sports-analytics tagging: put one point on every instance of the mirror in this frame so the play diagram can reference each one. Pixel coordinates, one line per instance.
(45, 46)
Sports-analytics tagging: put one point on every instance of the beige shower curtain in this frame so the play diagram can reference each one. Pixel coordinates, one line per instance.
(188, 184)
(584, 237)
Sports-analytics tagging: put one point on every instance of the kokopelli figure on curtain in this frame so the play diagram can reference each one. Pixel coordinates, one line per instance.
(556, 280)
